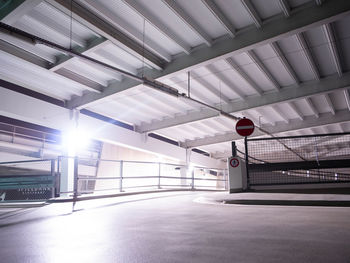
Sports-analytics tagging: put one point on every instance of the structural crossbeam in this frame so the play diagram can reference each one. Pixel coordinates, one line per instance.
(301, 20)
(252, 12)
(307, 54)
(308, 122)
(159, 25)
(187, 19)
(90, 20)
(328, 31)
(220, 17)
(304, 91)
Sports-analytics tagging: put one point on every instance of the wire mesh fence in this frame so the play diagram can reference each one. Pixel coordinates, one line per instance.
(27, 180)
(323, 158)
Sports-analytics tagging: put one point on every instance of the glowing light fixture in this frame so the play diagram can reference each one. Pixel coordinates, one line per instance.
(76, 140)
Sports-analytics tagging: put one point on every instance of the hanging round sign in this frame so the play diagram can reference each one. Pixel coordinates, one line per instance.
(245, 127)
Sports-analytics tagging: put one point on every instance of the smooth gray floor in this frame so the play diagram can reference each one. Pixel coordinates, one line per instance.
(170, 227)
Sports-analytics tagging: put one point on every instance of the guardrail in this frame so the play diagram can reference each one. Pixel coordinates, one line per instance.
(99, 176)
(40, 179)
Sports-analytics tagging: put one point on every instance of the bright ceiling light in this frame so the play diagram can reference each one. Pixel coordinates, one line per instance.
(76, 140)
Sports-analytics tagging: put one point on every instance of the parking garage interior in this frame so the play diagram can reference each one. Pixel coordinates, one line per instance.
(120, 134)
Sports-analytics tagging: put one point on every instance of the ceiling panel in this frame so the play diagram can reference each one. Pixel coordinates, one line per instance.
(197, 10)
(172, 21)
(296, 3)
(320, 51)
(267, 8)
(274, 65)
(235, 12)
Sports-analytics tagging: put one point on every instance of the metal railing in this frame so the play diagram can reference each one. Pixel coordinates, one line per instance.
(41, 179)
(27, 133)
(99, 176)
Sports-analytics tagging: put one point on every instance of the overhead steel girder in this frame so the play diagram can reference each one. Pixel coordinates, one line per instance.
(154, 21)
(271, 31)
(220, 16)
(25, 55)
(87, 18)
(11, 11)
(308, 122)
(305, 90)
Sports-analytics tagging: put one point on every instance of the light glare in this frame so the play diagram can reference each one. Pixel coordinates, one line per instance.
(76, 140)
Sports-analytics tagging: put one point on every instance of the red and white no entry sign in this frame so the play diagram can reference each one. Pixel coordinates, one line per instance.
(234, 162)
(244, 127)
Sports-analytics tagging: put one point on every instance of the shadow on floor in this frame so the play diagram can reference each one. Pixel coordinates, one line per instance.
(340, 191)
(289, 202)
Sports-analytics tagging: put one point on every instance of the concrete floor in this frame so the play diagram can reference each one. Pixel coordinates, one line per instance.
(170, 227)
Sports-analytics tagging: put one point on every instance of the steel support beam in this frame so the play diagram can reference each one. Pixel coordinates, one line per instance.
(284, 62)
(279, 113)
(304, 91)
(209, 87)
(296, 110)
(293, 125)
(328, 31)
(128, 29)
(92, 46)
(307, 54)
(301, 20)
(284, 7)
(347, 98)
(187, 19)
(222, 78)
(341, 128)
(312, 107)
(21, 53)
(244, 75)
(219, 15)
(154, 21)
(252, 12)
(90, 20)
(37, 61)
(11, 11)
(38, 19)
(329, 103)
(263, 69)
(93, 98)
(89, 84)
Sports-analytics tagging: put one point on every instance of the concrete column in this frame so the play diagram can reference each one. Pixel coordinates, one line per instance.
(67, 175)
(67, 161)
(185, 171)
(183, 174)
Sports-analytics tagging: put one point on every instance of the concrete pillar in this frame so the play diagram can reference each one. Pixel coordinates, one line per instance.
(183, 175)
(67, 175)
(67, 161)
